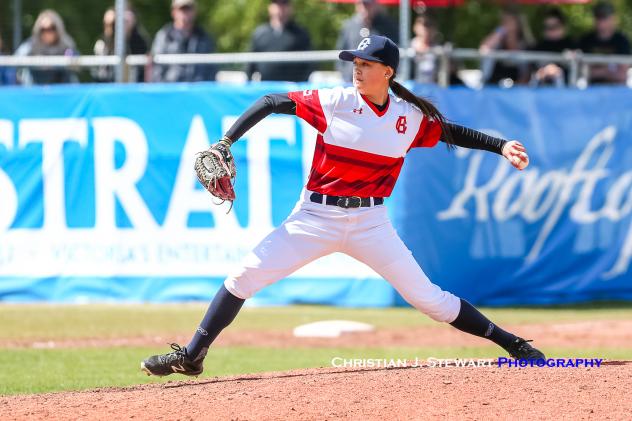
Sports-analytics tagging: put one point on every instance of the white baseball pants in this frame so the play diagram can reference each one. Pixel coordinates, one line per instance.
(314, 230)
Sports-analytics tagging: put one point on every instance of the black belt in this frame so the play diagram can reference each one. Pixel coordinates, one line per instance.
(346, 201)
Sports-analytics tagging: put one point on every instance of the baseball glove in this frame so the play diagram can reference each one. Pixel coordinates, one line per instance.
(215, 169)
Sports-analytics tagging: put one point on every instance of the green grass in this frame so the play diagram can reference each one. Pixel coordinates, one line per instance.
(44, 322)
(37, 371)
(45, 370)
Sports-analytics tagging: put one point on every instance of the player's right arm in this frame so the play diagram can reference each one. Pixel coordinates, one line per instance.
(432, 132)
(513, 150)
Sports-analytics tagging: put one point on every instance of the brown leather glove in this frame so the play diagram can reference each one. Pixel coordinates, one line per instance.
(215, 169)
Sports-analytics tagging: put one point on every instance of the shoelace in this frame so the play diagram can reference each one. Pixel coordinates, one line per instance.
(178, 355)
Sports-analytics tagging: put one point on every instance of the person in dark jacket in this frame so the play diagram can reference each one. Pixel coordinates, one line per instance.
(513, 34)
(136, 43)
(606, 39)
(281, 33)
(554, 39)
(183, 36)
(369, 19)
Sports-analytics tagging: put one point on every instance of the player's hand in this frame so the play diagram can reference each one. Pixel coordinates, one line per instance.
(550, 71)
(516, 153)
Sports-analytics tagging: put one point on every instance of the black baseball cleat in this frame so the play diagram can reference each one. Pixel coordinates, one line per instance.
(174, 362)
(520, 349)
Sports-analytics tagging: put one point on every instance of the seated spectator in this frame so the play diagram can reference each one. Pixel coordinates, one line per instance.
(513, 34)
(49, 38)
(7, 74)
(136, 43)
(369, 19)
(281, 33)
(426, 37)
(605, 39)
(554, 39)
(183, 36)
(426, 68)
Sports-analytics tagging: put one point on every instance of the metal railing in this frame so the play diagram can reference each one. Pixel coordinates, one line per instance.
(576, 61)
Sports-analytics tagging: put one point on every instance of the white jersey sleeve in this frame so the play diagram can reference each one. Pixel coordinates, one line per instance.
(316, 106)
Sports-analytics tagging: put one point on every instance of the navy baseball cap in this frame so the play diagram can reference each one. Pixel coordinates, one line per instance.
(374, 48)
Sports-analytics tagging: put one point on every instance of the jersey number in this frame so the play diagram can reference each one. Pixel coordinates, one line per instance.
(401, 126)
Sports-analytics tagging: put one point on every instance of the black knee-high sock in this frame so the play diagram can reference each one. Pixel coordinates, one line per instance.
(220, 314)
(472, 321)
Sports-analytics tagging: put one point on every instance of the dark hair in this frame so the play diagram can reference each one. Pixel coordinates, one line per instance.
(555, 13)
(426, 20)
(137, 41)
(426, 107)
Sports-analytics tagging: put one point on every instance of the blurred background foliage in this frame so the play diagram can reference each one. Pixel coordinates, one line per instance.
(232, 22)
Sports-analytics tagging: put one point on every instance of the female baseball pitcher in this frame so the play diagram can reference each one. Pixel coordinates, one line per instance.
(364, 133)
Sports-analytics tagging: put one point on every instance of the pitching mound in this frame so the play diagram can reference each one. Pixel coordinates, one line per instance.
(329, 393)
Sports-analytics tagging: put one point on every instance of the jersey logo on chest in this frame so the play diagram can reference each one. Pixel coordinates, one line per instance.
(401, 125)
(357, 110)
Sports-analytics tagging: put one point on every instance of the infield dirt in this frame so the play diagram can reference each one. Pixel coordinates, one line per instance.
(469, 393)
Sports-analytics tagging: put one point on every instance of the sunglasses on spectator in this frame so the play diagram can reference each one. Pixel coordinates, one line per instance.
(51, 28)
(186, 8)
(552, 26)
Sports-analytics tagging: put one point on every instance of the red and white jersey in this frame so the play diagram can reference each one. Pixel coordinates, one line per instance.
(359, 149)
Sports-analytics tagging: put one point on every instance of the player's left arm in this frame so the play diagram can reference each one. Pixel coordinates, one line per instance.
(513, 150)
(215, 167)
(266, 105)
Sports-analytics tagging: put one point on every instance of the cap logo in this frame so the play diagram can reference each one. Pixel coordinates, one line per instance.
(364, 43)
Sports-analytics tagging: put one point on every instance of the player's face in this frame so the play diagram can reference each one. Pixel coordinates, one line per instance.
(370, 77)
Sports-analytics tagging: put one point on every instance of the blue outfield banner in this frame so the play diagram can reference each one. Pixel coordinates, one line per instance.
(99, 202)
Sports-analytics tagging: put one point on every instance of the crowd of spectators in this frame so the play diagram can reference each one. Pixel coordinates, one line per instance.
(513, 34)
(183, 35)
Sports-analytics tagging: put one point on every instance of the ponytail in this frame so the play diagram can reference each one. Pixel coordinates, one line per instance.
(426, 107)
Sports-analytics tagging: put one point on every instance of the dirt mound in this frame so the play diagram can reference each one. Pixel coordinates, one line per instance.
(364, 394)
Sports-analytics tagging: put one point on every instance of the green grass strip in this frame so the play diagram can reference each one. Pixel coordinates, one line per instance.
(56, 322)
(47, 370)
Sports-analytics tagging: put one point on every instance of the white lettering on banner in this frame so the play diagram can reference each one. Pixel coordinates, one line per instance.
(8, 194)
(119, 183)
(623, 260)
(258, 154)
(125, 252)
(470, 190)
(577, 174)
(186, 198)
(53, 133)
(176, 250)
(535, 196)
(147, 250)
